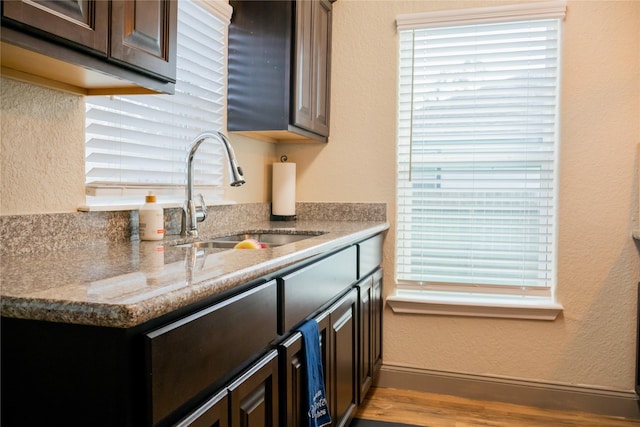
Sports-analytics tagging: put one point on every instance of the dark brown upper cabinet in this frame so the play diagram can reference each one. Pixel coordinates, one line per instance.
(279, 70)
(91, 47)
(141, 36)
(84, 23)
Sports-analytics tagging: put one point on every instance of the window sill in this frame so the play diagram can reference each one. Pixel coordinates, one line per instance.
(133, 207)
(505, 307)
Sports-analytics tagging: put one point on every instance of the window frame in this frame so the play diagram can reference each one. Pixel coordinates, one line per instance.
(105, 196)
(479, 300)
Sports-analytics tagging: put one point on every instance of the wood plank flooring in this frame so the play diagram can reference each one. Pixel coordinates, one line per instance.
(435, 410)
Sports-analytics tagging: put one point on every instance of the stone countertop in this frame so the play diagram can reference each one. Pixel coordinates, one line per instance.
(126, 284)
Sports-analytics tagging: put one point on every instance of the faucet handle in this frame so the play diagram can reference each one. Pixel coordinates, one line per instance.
(201, 211)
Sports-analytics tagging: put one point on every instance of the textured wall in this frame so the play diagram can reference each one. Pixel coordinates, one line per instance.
(42, 149)
(593, 342)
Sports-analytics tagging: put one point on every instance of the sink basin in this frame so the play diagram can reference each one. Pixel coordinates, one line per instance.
(272, 239)
(211, 244)
(267, 239)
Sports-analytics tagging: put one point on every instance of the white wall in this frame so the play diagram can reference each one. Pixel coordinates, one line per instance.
(593, 341)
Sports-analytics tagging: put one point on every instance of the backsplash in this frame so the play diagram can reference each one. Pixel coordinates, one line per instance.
(24, 234)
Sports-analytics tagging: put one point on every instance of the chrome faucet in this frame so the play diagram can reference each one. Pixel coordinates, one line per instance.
(191, 213)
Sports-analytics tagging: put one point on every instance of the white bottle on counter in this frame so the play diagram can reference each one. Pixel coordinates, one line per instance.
(151, 219)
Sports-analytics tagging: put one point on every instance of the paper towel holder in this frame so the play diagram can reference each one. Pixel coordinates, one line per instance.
(279, 217)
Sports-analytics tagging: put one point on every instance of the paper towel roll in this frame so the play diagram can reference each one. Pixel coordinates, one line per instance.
(283, 190)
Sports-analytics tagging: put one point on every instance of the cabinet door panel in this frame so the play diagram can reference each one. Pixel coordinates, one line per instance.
(321, 66)
(254, 396)
(312, 55)
(293, 363)
(324, 329)
(376, 316)
(143, 34)
(304, 57)
(365, 311)
(370, 331)
(83, 23)
(344, 350)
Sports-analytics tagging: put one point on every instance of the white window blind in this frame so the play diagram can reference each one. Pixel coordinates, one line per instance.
(138, 143)
(477, 144)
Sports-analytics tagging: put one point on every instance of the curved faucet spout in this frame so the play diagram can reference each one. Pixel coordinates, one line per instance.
(192, 214)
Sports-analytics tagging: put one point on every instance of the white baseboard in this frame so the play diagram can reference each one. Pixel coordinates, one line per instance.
(617, 403)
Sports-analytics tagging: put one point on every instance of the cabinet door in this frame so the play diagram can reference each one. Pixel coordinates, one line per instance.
(293, 405)
(376, 321)
(144, 35)
(254, 396)
(321, 66)
(343, 395)
(213, 413)
(303, 82)
(83, 23)
(365, 320)
(312, 56)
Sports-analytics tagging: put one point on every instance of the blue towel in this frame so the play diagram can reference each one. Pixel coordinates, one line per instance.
(313, 381)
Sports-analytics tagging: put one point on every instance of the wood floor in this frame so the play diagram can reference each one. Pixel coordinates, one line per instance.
(435, 410)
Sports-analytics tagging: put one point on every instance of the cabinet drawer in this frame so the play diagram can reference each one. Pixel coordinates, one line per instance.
(369, 255)
(188, 356)
(306, 290)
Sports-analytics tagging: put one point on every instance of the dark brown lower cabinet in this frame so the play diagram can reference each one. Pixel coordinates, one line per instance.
(254, 396)
(350, 337)
(250, 401)
(350, 345)
(188, 357)
(370, 331)
(338, 343)
(343, 394)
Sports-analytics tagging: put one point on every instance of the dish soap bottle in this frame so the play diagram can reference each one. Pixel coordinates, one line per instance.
(151, 219)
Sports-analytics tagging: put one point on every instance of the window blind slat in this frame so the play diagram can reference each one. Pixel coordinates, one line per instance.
(476, 155)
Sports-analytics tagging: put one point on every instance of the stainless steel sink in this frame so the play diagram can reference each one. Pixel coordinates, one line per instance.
(210, 244)
(273, 239)
(267, 239)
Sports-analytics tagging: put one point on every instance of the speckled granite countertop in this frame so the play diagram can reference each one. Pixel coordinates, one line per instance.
(125, 284)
